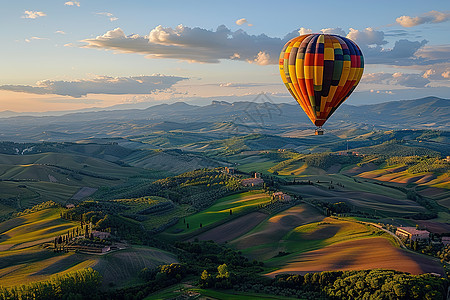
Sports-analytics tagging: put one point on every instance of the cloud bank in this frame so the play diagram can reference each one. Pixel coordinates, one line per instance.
(211, 46)
(429, 17)
(99, 85)
(193, 44)
(398, 78)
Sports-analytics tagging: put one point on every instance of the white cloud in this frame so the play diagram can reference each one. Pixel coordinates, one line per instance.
(368, 36)
(429, 17)
(337, 30)
(60, 32)
(243, 21)
(210, 46)
(304, 30)
(435, 52)
(109, 15)
(262, 59)
(193, 44)
(72, 3)
(34, 38)
(99, 85)
(30, 14)
(398, 78)
(438, 72)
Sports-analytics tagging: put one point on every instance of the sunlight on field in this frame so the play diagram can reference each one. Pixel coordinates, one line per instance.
(220, 211)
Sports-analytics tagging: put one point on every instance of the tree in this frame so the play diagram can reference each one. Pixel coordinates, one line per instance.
(223, 271)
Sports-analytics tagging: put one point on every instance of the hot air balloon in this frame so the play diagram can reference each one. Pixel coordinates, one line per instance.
(321, 71)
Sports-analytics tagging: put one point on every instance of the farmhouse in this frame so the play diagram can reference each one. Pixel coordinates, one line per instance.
(412, 233)
(256, 181)
(230, 170)
(446, 240)
(100, 234)
(281, 196)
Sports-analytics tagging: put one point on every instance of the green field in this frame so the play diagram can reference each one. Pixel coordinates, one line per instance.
(238, 203)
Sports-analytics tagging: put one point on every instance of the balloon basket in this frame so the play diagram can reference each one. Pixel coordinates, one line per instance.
(319, 131)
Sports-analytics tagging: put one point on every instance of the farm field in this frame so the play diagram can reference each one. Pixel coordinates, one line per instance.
(266, 239)
(360, 254)
(240, 203)
(119, 268)
(381, 204)
(32, 229)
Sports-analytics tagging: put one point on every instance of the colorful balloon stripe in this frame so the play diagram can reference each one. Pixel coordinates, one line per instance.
(321, 71)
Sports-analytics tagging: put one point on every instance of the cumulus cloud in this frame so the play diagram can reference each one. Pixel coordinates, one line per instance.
(368, 36)
(72, 3)
(429, 17)
(304, 30)
(109, 15)
(439, 72)
(435, 52)
(337, 30)
(99, 85)
(31, 14)
(398, 78)
(402, 54)
(193, 44)
(243, 21)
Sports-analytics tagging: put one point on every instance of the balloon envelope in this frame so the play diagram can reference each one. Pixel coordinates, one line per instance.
(321, 71)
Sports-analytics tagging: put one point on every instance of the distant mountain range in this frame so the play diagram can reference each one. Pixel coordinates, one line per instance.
(425, 113)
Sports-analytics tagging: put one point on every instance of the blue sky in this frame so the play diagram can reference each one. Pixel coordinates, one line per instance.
(62, 55)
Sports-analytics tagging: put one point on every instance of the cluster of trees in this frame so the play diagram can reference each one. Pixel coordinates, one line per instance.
(106, 216)
(432, 164)
(39, 207)
(326, 160)
(395, 147)
(82, 284)
(199, 188)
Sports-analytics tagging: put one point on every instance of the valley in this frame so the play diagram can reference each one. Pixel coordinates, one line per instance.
(168, 201)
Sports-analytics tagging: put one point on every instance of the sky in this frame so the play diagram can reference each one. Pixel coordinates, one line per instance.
(69, 55)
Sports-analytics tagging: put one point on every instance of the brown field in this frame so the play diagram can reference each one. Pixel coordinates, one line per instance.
(274, 229)
(334, 169)
(83, 193)
(401, 175)
(233, 229)
(361, 254)
(358, 170)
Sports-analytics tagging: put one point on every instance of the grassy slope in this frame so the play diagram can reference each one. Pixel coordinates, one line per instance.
(34, 227)
(27, 261)
(266, 239)
(220, 211)
(120, 268)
